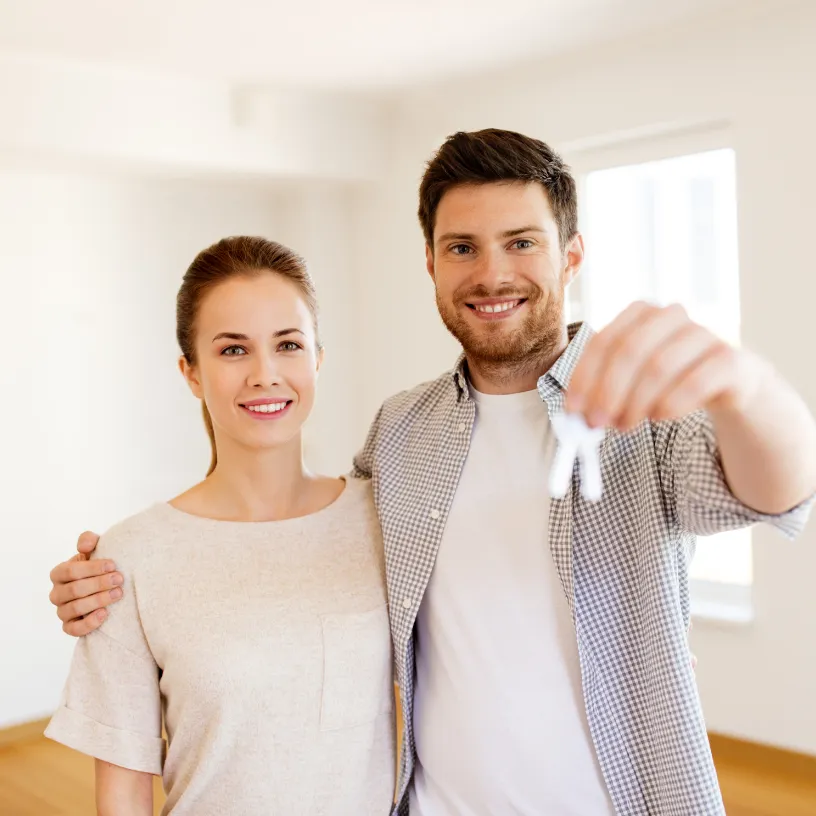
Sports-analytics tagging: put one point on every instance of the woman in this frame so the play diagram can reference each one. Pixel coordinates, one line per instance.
(255, 622)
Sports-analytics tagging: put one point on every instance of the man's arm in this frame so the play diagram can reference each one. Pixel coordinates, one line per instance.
(122, 792)
(82, 588)
(363, 467)
(767, 444)
(655, 363)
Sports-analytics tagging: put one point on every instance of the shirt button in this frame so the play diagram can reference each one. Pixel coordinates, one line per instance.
(461, 427)
(406, 603)
(434, 514)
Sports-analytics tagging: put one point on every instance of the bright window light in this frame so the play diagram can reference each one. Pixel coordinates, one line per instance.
(666, 232)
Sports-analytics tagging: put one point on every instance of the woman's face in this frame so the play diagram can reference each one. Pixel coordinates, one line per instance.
(256, 360)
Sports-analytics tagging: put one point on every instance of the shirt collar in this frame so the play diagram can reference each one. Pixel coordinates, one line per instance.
(555, 380)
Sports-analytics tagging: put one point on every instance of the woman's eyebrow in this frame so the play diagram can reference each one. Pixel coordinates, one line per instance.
(239, 336)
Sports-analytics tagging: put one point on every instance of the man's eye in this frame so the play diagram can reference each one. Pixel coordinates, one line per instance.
(460, 249)
(233, 351)
(527, 243)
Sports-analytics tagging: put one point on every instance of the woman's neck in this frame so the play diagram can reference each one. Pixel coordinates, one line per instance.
(268, 485)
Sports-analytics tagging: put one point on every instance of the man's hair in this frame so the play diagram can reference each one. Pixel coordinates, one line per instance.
(489, 156)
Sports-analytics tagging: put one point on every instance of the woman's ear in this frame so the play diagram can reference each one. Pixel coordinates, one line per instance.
(321, 353)
(190, 374)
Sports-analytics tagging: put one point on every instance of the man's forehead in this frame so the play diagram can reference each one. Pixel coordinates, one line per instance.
(494, 208)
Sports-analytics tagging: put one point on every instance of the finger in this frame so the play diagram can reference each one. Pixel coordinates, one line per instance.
(82, 588)
(86, 606)
(626, 359)
(84, 626)
(658, 375)
(700, 385)
(74, 570)
(594, 355)
(87, 542)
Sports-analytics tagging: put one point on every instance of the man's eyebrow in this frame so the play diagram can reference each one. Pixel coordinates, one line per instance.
(529, 228)
(239, 336)
(455, 236)
(466, 236)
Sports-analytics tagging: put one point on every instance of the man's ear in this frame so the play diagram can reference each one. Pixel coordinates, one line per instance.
(574, 257)
(190, 374)
(429, 261)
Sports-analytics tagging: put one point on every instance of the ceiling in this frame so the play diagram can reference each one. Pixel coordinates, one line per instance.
(324, 43)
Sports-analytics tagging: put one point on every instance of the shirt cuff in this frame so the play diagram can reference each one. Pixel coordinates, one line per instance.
(793, 521)
(137, 752)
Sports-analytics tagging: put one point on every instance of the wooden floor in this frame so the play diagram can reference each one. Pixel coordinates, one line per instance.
(41, 778)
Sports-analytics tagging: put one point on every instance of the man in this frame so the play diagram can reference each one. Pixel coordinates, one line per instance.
(541, 644)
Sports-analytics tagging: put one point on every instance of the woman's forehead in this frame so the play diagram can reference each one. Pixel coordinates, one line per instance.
(261, 300)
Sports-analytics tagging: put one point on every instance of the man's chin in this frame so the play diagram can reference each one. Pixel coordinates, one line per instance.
(493, 353)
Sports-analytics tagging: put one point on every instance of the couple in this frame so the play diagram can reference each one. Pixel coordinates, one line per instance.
(540, 645)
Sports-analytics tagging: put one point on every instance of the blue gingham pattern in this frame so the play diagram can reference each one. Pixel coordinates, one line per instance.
(622, 562)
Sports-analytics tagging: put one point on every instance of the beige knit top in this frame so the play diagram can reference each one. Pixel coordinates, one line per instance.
(265, 646)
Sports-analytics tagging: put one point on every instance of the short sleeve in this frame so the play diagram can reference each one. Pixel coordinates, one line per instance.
(111, 703)
(695, 486)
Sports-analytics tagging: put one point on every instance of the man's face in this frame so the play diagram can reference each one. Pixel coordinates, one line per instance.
(500, 273)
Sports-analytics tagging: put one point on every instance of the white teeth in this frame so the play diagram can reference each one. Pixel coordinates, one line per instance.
(268, 408)
(499, 307)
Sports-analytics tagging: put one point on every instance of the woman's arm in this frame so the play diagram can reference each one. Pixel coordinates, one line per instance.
(122, 792)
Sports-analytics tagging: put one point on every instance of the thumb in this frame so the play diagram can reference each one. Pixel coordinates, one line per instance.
(86, 545)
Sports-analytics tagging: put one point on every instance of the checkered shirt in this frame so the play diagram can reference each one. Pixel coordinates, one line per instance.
(622, 562)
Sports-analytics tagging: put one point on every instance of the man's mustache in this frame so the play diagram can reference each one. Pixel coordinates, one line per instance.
(481, 292)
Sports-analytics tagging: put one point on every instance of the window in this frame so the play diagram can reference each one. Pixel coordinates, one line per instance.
(666, 231)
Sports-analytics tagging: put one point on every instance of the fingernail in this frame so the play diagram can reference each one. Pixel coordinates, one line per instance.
(110, 567)
(116, 594)
(598, 419)
(101, 614)
(117, 579)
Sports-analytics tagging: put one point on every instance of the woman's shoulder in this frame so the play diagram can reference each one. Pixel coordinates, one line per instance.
(356, 509)
(133, 537)
(358, 493)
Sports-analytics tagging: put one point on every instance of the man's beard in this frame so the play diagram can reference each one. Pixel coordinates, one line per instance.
(501, 353)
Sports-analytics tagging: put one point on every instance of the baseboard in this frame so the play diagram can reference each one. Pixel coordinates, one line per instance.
(758, 755)
(23, 733)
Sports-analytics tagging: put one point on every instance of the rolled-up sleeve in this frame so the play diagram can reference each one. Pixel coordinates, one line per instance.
(111, 706)
(111, 703)
(695, 485)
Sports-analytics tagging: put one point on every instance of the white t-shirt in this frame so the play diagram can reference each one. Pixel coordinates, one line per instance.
(499, 715)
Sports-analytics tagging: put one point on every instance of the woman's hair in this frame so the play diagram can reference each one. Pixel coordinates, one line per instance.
(241, 255)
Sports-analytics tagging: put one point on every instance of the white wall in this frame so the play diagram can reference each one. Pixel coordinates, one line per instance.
(752, 72)
(130, 118)
(97, 421)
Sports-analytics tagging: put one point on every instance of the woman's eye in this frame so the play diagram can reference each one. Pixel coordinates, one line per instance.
(233, 351)
(289, 345)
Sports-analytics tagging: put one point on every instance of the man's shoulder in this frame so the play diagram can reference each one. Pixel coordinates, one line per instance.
(418, 402)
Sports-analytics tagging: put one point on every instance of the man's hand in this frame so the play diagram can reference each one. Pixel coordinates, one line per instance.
(655, 363)
(82, 589)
